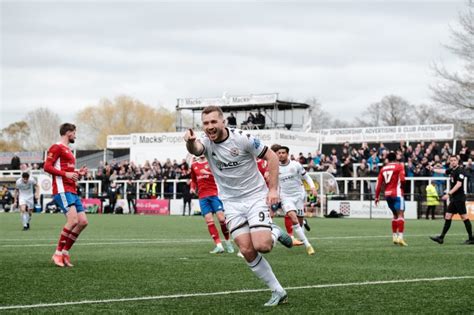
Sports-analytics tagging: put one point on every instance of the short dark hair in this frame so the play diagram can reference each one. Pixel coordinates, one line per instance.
(285, 148)
(392, 157)
(65, 128)
(25, 175)
(212, 108)
(454, 156)
(275, 147)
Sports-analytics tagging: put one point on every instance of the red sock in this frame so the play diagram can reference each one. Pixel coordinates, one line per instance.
(62, 239)
(70, 240)
(289, 225)
(214, 233)
(401, 225)
(394, 225)
(225, 231)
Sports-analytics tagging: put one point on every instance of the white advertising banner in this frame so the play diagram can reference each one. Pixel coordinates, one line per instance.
(161, 146)
(367, 209)
(388, 134)
(45, 183)
(119, 141)
(230, 100)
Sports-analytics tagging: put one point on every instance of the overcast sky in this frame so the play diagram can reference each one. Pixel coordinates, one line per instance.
(348, 54)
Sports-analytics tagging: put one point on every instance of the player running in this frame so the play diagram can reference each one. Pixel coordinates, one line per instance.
(292, 193)
(392, 176)
(26, 189)
(202, 181)
(263, 169)
(231, 155)
(60, 163)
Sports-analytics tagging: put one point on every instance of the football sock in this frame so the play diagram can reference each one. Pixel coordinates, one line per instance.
(262, 269)
(213, 232)
(288, 225)
(62, 239)
(401, 227)
(394, 226)
(24, 219)
(447, 225)
(300, 233)
(72, 237)
(225, 231)
(468, 226)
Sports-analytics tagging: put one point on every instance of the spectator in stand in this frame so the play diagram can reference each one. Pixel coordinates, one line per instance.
(15, 162)
(260, 120)
(382, 149)
(363, 171)
(356, 157)
(317, 158)
(373, 172)
(469, 171)
(302, 159)
(471, 155)
(292, 157)
(346, 168)
(373, 159)
(151, 189)
(463, 151)
(439, 184)
(446, 151)
(312, 167)
(365, 149)
(410, 168)
(231, 121)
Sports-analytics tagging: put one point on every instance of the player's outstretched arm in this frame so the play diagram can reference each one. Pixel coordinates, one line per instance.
(193, 145)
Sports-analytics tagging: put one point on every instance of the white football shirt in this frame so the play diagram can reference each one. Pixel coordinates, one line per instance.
(26, 190)
(233, 163)
(290, 177)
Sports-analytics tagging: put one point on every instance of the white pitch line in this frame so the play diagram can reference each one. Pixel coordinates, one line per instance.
(98, 242)
(191, 295)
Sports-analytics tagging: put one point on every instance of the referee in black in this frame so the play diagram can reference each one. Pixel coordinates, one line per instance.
(458, 200)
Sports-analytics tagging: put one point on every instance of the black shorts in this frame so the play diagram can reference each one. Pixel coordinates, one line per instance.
(457, 206)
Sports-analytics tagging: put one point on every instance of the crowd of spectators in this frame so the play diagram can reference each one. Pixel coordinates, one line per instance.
(420, 160)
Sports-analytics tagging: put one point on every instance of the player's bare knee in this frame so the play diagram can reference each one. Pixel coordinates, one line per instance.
(82, 223)
(263, 247)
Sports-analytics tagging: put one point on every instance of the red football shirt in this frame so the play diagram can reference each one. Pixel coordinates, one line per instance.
(393, 176)
(59, 161)
(202, 178)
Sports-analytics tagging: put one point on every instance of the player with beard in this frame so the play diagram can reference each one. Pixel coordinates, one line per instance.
(232, 158)
(60, 163)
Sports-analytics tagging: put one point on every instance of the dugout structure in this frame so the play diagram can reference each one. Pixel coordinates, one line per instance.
(277, 114)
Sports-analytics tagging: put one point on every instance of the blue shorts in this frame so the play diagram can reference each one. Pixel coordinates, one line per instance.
(396, 203)
(67, 199)
(210, 205)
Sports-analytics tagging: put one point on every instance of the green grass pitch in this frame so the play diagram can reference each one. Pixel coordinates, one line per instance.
(132, 257)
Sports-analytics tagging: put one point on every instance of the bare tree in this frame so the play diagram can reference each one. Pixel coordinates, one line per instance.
(124, 115)
(43, 125)
(454, 90)
(320, 118)
(392, 110)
